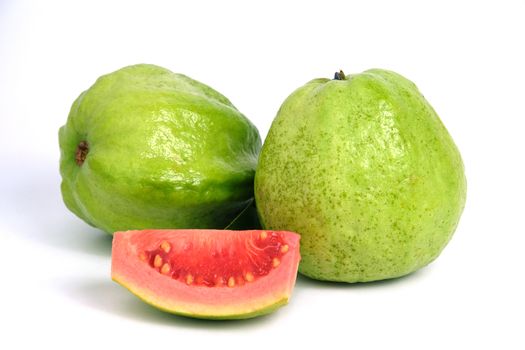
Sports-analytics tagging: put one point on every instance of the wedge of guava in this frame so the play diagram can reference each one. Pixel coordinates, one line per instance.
(212, 274)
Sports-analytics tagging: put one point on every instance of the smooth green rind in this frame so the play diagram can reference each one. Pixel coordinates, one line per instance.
(366, 172)
(165, 151)
(145, 298)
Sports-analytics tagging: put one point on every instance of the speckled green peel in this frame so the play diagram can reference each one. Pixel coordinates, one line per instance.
(163, 151)
(365, 171)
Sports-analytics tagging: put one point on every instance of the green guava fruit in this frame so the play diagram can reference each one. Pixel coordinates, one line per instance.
(147, 148)
(363, 168)
(214, 274)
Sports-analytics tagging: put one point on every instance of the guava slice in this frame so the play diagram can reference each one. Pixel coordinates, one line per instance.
(212, 274)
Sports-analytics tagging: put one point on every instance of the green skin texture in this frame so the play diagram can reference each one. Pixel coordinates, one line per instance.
(165, 151)
(365, 171)
(241, 316)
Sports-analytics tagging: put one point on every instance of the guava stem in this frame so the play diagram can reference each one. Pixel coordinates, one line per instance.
(339, 75)
(81, 153)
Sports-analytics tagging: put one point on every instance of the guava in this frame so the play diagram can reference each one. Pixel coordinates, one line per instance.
(214, 274)
(363, 168)
(147, 148)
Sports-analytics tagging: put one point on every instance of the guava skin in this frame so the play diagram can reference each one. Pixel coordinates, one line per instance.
(365, 171)
(163, 151)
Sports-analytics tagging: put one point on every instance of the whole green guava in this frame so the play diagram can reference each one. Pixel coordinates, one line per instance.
(147, 148)
(363, 168)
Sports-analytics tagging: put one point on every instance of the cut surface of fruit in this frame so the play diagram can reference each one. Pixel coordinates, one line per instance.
(216, 274)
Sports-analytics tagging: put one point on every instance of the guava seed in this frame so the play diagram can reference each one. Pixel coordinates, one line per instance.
(158, 261)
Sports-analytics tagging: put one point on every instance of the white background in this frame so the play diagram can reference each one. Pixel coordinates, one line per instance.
(466, 57)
